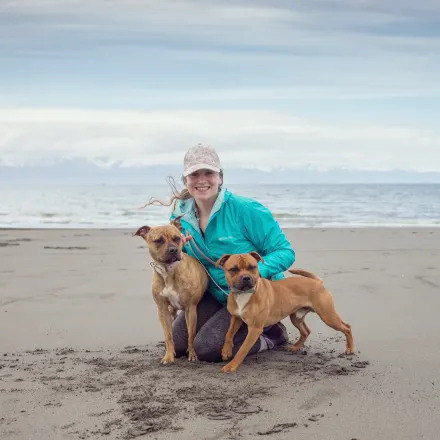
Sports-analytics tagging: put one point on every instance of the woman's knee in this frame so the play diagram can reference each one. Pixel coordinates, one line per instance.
(207, 350)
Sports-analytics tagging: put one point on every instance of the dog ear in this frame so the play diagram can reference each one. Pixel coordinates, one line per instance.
(142, 231)
(257, 256)
(176, 222)
(222, 260)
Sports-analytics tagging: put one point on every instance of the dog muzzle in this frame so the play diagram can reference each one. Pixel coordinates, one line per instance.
(238, 291)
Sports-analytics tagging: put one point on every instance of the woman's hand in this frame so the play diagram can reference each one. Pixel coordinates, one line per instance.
(185, 239)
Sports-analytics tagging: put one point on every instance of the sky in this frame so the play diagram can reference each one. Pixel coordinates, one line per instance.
(271, 84)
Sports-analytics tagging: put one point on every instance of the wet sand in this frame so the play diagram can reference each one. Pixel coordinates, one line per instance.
(80, 345)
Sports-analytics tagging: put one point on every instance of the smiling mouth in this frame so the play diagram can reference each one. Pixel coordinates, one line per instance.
(203, 188)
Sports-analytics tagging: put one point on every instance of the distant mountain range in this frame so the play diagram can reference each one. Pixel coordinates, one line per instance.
(82, 171)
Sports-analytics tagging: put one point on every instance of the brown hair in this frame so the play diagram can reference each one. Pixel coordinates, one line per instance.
(182, 194)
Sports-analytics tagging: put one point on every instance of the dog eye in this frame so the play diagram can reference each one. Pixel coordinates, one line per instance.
(176, 239)
(252, 267)
(233, 269)
(158, 240)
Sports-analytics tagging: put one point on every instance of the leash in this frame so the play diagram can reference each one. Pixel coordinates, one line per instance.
(200, 252)
(206, 270)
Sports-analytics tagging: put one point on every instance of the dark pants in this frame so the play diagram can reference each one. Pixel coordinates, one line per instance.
(212, 325)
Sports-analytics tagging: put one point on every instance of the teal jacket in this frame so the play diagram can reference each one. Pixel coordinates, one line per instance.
(237, 225)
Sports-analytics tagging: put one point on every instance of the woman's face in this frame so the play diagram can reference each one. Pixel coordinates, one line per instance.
(203, 185)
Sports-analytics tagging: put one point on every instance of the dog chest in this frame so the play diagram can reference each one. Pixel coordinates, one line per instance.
(242, 299)
(172, 295)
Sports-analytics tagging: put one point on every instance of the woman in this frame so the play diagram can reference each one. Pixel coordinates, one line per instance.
(220, 222)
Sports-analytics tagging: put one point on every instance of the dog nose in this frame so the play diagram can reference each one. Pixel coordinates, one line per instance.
(246, 278)
(172, 250)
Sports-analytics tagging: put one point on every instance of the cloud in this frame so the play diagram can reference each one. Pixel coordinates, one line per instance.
(267, 23)
(202, 61)
(76, 50)
(266, 140)
(313, 26)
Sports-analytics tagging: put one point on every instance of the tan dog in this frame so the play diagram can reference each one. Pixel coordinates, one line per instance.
(179, 282)
(260, 303)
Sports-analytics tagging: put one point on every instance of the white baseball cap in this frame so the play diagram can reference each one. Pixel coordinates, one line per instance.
(201, 157)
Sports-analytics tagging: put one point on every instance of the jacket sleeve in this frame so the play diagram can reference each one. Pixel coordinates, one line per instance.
(262, 229)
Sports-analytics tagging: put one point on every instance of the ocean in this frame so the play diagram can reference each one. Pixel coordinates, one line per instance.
(294, 206)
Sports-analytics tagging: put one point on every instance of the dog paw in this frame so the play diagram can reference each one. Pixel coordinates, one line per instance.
(192, 355)
(167, 359)
(229, 368)
(349, 352)
(226, 352)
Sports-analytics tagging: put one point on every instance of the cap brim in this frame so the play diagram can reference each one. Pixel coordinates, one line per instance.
(200, 166)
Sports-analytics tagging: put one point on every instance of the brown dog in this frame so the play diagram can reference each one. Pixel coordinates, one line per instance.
(260, 303)
(179, 282)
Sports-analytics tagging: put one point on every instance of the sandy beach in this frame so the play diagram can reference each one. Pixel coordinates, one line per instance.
(80, 344)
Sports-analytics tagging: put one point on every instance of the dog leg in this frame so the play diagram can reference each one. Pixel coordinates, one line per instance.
(306, 327)
(303, 330)
(166, 322)
(327, 312)
(234, 326)
(251, 338)
(191, 324)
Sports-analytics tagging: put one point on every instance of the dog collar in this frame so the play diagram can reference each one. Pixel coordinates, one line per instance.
(164, 269)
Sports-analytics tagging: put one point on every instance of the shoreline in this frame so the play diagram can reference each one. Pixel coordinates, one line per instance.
(284, 228)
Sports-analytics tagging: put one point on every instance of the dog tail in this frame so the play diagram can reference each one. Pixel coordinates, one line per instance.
(305, 273)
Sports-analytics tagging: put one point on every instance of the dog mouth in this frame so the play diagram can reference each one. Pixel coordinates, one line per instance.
(173, 259)
(243, 286)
